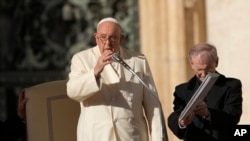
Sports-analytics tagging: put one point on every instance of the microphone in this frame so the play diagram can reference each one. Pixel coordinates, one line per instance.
(118, 59)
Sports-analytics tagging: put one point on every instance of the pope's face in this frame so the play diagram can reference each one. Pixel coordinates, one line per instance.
(108, 37)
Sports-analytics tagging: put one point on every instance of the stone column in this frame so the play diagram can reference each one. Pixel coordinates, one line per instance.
(165, 38)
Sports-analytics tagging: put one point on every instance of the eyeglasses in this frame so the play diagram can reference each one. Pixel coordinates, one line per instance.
(104, 38)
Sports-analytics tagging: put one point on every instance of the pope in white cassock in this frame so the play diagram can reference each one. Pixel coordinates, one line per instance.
(115, 106)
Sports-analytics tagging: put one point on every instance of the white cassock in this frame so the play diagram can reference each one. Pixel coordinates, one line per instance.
(112, 109)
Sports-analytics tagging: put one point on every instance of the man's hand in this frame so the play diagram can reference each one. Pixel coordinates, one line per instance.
(185, 122)
(201, 109)
(103, 60)
(21, 111)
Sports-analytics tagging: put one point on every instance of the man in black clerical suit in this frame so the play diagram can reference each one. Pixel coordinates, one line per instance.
(213, 118)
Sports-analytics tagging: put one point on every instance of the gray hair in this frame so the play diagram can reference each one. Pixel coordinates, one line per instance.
(203, 47)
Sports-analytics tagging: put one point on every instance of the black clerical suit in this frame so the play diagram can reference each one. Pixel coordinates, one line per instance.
(224, 102)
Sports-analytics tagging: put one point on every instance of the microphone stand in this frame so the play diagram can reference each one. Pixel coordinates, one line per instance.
(118, 59)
